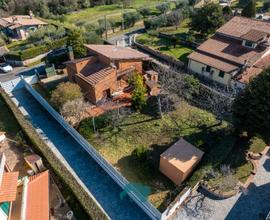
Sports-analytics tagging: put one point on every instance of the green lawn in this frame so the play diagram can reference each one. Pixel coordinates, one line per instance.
(259, 4)
(92, 15)
(155, 135)
(164, 45)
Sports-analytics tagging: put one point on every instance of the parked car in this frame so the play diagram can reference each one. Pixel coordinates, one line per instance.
(4, 67)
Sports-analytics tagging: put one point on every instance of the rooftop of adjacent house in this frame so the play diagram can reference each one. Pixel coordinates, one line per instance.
(254, 71)
(37, 206)
(239, 26)
(227, 54)
(8, 187)
(182, 155)
(32, 158)
(116, 52)
(35, 202)
(254, 35)
(16, 21)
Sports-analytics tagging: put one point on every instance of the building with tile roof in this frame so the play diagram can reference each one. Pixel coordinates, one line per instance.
(19, 26)
(23, 199)
(238, 51)
(105, 72)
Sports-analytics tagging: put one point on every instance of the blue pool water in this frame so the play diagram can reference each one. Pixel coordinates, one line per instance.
(99, 183)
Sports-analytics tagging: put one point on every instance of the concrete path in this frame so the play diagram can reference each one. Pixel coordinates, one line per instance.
(253, 205)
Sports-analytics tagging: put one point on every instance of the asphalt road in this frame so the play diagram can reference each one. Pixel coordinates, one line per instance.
(17, 71)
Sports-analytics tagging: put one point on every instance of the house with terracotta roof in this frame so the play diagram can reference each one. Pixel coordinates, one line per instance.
(237, 52)
(105, 72)
(19, 26)
(25, 198)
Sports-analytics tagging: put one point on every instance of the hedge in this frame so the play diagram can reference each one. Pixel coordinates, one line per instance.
(90, 206)
(35, 51)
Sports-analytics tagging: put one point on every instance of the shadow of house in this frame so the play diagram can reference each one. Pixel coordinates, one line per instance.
(253, 205)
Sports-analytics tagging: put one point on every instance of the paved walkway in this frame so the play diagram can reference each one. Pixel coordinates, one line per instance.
(97, 181)
(253, 205)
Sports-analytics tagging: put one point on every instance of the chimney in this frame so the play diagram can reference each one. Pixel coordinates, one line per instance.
(14, 19)
(70, 53)
(31, 15)
(244, 66)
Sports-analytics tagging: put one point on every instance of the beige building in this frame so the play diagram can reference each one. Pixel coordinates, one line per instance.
(179, 160)
(19, 26)
(237, 52)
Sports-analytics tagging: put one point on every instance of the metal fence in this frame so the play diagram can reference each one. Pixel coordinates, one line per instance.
(150, 210)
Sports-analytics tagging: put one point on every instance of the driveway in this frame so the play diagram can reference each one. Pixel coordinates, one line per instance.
(251, 205)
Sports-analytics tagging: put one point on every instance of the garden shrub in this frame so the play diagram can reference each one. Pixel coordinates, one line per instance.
(256, 144)
(36, 50)
(140, 153)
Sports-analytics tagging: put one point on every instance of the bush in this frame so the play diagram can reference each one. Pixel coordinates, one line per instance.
(256, 144)
(140, 153)
(163, 7)
(86, 128)
(155, 22)
(35, 50)
(130, 18)
(64, 93)
(144, 11)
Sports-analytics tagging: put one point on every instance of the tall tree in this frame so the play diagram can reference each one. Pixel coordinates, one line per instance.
(77, 40)
(207, 19)
(251, 109)
(138, 95)
(250, 10)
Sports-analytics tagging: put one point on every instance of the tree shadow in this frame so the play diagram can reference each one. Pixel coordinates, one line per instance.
(146, 172)
(255, 204)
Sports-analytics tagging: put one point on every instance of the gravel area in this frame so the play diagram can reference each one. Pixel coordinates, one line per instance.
(249, 205)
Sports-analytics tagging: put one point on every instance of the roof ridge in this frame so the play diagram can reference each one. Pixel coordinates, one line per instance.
(34, 178)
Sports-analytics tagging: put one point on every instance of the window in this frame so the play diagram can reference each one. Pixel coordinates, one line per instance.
(248, 44)
(203, 69)
(208, 69)
(221, 74)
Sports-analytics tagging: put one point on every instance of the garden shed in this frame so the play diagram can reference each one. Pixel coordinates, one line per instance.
(178, 161)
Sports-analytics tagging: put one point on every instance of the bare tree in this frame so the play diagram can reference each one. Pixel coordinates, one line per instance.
(74, 111)
(177, 86)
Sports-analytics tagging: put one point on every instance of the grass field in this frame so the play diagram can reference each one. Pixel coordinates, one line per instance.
(164, 45)
(92, 15)
(155, 135)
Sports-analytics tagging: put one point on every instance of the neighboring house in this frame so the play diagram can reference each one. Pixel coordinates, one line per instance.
(26, 198)
(239, 51)
(105, 72)
(19, 26)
